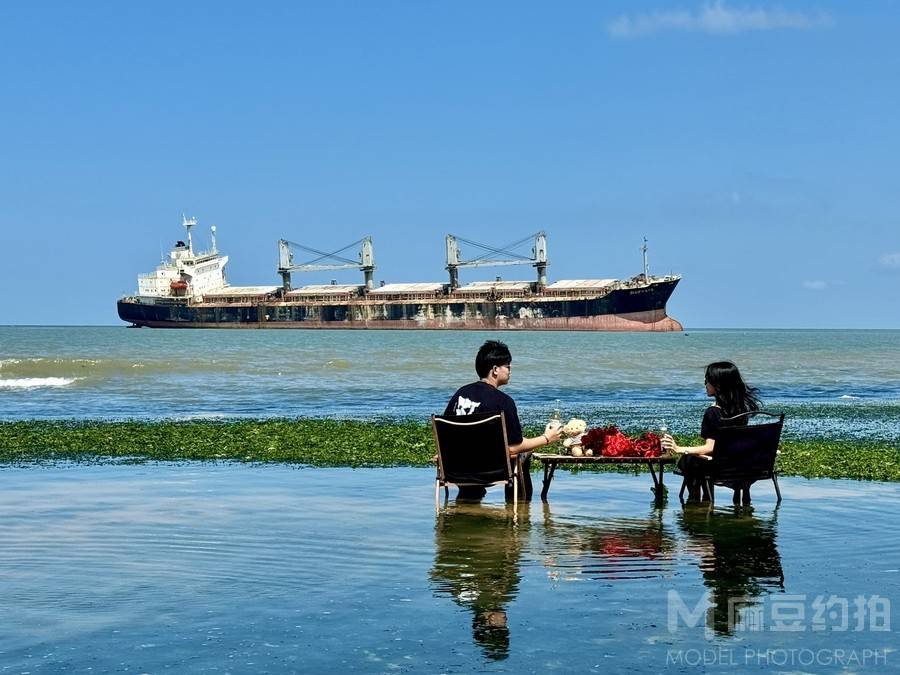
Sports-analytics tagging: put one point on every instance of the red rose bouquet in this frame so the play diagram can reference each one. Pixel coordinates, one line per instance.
(611, 442)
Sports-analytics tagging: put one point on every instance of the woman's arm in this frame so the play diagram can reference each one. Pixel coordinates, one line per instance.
(669, 443)
(712, 421)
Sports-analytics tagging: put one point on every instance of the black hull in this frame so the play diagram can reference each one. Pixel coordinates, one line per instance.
(642, 308)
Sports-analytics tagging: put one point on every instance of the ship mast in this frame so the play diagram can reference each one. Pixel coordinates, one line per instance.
(188, 224)
(646, 266)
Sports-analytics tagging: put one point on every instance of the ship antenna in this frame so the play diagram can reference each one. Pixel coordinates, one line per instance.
(188, 224)
(646, 267)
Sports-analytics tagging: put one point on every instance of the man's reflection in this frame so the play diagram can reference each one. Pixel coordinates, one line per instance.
(476, 562)
(739, 559)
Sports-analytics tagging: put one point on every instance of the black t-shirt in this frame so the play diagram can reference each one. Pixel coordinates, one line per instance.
(480, 397)
(712, 422)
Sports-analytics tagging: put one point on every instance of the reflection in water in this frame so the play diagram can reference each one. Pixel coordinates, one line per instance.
(609, 550)
(476, 562)
(479, 551)
(739, 559)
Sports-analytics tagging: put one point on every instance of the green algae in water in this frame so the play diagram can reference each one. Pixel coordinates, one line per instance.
(352, 443)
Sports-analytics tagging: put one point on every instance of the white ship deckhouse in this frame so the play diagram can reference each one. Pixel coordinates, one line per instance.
(186, 274)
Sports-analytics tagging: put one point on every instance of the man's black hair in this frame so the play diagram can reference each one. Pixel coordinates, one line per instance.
(492, 353)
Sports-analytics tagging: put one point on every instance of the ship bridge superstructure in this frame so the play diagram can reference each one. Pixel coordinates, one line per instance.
(186, 274)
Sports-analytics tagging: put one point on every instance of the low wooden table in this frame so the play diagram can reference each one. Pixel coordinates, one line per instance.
(550, 463)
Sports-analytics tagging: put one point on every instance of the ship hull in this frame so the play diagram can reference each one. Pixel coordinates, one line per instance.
(632, 309)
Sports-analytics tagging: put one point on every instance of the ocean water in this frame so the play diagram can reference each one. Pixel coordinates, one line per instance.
(231, 567)
(839, 383)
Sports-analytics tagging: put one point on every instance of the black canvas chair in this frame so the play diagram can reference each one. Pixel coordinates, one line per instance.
(472, 451)
(744, 454)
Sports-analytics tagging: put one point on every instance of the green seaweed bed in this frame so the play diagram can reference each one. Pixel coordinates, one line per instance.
(350, 443)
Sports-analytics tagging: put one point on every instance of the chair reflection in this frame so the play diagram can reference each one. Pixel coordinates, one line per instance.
(476, 563)
(739, 559)
(617, 549)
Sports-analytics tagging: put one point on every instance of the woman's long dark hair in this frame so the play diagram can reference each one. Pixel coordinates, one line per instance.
(732, 394)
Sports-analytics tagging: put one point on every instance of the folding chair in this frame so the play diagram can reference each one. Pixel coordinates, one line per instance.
(745, 454)
(472, 451)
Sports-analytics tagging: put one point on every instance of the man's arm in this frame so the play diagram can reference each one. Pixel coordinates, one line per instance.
(551, 435)
(514, 430)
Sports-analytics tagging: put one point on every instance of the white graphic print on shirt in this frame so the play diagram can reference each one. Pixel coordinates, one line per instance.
(466, 407)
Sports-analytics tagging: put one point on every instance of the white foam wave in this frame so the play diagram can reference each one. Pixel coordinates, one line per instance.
(34, 382)
(848, 396)
(201, 416)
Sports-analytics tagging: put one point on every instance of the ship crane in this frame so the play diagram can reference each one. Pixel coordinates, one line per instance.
(506, 256)
(286, 265)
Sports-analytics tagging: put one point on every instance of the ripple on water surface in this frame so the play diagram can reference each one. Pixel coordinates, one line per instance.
(271, 567)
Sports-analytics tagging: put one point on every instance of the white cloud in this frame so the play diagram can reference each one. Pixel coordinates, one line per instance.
(817, 285)
(890, 260)
(715, 18)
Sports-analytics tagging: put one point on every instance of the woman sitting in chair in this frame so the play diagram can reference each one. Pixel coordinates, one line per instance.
(733, 397)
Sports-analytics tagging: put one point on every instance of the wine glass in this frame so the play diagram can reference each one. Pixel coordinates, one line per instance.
(556, 415)
(663, 432)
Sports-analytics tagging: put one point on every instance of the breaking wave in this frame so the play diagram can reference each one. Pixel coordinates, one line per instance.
(35, 382)
(39, 367)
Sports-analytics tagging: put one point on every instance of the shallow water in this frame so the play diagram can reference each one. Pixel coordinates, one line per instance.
(243, 568)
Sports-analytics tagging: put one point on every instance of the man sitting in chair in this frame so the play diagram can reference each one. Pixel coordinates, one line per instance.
(493, 363)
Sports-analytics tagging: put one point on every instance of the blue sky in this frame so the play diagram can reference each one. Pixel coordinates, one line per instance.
(754, 144)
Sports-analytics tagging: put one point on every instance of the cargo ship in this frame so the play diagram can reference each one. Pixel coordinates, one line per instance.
(189, 290)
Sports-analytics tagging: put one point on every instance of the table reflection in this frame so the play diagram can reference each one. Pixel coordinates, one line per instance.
(610, 549)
